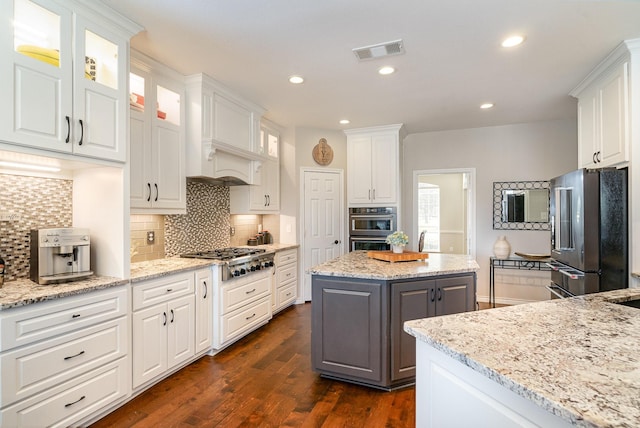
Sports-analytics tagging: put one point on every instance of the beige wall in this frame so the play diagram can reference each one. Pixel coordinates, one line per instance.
(533, 151)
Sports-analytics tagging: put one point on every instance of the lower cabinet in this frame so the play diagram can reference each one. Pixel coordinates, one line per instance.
(285, 286)
(358, 325)
(347, 329)
(163, 325)
(65, 359)
(412, 300)
(163, 337)
(242, 305)
(204, 310)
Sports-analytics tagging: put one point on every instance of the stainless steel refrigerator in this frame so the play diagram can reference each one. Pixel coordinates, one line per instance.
(589, 232)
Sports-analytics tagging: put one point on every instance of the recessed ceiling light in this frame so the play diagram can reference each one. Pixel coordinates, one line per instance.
(345, 122)
(386, 70)
(486, 106)
(296, 80)
(512, 41)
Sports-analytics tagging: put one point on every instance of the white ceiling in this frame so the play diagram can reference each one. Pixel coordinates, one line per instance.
(453, 60)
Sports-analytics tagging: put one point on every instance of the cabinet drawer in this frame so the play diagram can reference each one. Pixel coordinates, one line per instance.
(287, 273)
(238, 296)
(33, 369)
(286, 257)
(238, 322)
(287, 294)
(161, 290)
(22, 326)
(65, 404)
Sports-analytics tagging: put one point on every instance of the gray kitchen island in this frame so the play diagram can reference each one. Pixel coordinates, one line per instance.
(360, 305)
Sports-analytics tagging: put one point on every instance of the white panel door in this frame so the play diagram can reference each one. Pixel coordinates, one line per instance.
(323, 221)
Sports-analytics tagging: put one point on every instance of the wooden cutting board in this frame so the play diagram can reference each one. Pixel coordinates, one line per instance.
(389, 256)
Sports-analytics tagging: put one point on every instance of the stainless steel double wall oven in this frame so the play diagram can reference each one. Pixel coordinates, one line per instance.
(369, 227)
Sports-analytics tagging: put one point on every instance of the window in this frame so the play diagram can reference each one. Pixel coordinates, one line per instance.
(429, 215)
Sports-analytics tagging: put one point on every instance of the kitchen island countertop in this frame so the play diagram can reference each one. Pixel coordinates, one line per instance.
(577, 358)
(357, 264)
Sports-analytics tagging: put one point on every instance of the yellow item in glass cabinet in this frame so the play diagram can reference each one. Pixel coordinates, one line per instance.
(50, 56)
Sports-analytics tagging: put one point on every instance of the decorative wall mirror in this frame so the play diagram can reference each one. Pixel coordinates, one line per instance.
(521, 205)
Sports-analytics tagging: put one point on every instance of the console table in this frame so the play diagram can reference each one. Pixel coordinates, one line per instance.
(512, 262)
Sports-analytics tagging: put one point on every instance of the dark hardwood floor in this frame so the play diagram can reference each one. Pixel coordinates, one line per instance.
(264, 380)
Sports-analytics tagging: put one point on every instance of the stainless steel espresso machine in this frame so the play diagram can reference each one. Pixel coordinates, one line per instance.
(60, 255)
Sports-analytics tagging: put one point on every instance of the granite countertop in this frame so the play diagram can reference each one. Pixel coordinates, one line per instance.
(142, 271)
(24, 292)
(578, 358)
(356, 264)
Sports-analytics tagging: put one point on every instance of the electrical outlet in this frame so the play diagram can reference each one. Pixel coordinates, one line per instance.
(232, 230)
(151, 237)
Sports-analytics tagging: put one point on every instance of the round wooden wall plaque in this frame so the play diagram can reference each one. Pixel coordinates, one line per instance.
(322, 152)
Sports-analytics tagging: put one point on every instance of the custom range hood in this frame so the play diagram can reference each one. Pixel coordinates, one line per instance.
(221, 166)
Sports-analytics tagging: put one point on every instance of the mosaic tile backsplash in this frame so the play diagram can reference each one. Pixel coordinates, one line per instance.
(37, 203)
(205, 225)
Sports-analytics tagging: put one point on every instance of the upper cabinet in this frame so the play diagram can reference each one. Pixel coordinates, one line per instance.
(223, 131)
(65, 70)
(263, 196)
(604, 108)
(157, 153)
(373, 165)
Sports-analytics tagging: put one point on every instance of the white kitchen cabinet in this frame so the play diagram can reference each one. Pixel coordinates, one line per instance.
(603, 114)
(157, 160)
(163, 337)
(204, 310)
(223, 130)
(242, 305)
(269, 141)
(258, 198)
(285, 286)
(163, 325)
(373, 165)
(64, 359)
(65, 77)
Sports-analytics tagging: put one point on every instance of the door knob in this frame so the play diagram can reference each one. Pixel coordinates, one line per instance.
(336, 242)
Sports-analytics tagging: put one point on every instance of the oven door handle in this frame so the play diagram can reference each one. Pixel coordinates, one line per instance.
(369, 217)
(369, 238)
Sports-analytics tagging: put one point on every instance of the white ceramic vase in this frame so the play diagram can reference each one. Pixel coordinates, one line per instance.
(397, 248)
(502, 249)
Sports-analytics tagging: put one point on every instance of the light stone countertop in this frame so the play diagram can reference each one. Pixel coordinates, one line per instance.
(142, 271)
(24, 292)
(578, 358)
(356, 264)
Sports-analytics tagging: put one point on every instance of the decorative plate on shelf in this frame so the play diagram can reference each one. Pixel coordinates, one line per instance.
(532, 256)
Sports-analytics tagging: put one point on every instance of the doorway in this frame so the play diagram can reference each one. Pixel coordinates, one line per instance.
(323, 219)
(444, 208)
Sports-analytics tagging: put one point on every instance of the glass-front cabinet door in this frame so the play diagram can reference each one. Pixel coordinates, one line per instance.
(36, 95)
(63, 81)
(100, 92)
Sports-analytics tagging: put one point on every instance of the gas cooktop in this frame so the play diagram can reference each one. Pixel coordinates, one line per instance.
(224, 253)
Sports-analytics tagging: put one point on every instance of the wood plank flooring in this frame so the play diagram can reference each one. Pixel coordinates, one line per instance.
(264, 380)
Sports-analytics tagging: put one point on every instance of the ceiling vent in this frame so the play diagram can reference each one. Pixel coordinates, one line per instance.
(380, 50)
